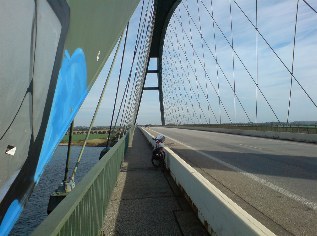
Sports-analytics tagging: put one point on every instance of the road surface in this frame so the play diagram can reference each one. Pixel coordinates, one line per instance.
(275, 181)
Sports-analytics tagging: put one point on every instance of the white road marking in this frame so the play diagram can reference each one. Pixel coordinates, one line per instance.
(300, 199)
(248, 146)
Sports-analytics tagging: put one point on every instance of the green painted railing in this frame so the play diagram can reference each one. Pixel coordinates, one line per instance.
(82, 212)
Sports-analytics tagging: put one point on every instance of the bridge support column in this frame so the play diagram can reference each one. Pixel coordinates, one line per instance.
(159, 65)
(164, 11)
(158, 72)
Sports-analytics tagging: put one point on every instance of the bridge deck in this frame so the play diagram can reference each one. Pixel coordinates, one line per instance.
(146, 201)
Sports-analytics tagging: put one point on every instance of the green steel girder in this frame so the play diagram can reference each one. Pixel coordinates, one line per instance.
(164, 11)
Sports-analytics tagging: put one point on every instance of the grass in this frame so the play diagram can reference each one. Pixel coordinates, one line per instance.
(94, 140)
(81, 137)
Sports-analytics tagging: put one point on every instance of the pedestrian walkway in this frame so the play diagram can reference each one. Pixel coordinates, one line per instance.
(147, 201)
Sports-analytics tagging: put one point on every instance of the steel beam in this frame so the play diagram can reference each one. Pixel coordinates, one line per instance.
(151, 88)
(164, 12)
(152, 71)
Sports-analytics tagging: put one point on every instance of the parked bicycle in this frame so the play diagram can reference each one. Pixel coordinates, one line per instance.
(158, 154)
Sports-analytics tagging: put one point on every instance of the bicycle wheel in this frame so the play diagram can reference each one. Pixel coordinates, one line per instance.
(156, 160)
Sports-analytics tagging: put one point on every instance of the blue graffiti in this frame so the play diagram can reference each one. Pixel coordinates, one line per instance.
(71, 91)
(10, 217)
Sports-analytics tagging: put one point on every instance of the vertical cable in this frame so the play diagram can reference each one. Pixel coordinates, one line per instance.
(189, 62)
(192, 45)
(244, 66)
(184, 45)
(257, 61)
(233, 76)
(292, 71)
(203, 54)
(188, 79)
(216, 58)
(218, 67)
(278, 57)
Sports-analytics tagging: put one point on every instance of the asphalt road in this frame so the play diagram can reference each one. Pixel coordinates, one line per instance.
(275, 181)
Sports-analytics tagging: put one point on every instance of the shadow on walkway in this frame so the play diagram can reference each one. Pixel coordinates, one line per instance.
(146, 201)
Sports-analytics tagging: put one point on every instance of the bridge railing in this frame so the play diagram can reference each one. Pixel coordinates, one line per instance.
(82, 211)
(274, 132)
(305, 129)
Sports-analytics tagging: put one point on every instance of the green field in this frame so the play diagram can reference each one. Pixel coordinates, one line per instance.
(81, 137)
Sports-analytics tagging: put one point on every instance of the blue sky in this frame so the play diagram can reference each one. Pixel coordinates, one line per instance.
(276, 21)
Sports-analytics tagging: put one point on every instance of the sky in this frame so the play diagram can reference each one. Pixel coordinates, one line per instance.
(186, 70)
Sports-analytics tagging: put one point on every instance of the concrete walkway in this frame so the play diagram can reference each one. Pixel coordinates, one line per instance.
(146, 201)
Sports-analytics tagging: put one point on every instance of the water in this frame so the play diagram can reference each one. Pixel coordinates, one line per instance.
(35, 210)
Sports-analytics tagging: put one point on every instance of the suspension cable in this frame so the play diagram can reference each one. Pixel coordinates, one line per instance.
(118, 85)
(257, 60)
(246, 69)
(137, 78)
(194, 52)
(221, 71)
(125, 93)
(309, 6)
(203, 53)
(216, 59)
(182, 69)
(146, 61)
(198, 84)
(127, 115)
(176, 112)
(175, 81)
(279, 58)
(233, 76)
(291, 85)
(96, 110)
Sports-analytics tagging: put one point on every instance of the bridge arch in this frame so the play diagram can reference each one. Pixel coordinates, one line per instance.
(163, 13)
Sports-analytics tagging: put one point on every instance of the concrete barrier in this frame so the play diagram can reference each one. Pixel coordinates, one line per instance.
(215, 210)
(298, 137)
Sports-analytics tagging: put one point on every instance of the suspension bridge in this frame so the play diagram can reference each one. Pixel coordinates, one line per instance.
(210, 70)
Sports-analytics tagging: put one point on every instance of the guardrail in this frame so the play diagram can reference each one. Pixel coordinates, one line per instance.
(303, 129)
(215, 210)
(261, 131)
(82, 211)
